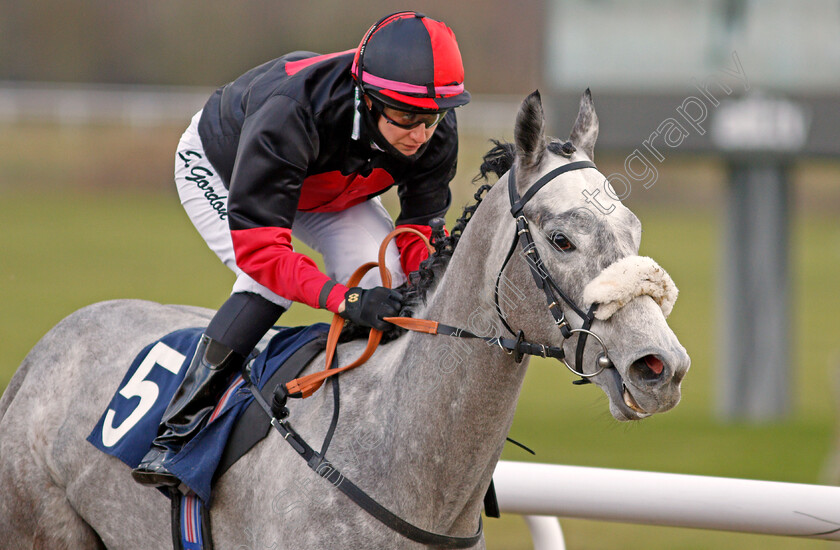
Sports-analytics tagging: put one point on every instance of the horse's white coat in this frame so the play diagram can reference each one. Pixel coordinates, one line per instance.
(422, 424)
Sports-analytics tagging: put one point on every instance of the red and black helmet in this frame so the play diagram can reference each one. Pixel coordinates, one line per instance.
(412, 63)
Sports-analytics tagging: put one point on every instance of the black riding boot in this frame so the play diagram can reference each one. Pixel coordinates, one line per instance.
(229, 339)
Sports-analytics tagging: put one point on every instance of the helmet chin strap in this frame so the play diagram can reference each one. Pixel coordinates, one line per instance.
(370, 119)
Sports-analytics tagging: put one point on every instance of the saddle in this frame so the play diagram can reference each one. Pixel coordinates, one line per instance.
(253, 424)
(190, 518)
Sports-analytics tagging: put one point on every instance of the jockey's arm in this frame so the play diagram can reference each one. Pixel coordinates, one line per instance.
(275, 147)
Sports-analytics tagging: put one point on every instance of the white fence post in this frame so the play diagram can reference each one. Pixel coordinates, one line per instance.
(546, 533)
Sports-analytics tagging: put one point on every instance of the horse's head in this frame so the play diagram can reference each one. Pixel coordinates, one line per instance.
(587, 246)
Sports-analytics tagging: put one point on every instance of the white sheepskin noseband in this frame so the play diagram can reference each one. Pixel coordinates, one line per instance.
(626, 279)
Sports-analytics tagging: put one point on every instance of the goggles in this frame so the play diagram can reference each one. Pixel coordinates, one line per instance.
(410, 121)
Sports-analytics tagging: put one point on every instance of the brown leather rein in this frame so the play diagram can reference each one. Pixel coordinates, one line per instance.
(518, 347)
(307, 385)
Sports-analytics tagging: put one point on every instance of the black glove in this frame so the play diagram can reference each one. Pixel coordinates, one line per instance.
(367, 307)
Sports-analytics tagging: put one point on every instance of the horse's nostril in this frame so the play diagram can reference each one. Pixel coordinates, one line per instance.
(648, 368)
(654, 363)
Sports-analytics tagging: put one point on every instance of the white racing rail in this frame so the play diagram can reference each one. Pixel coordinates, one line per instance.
(542, 492)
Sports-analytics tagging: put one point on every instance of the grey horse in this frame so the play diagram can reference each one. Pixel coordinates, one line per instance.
(422, 423)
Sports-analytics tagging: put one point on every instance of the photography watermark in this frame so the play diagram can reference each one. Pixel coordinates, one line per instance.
(640, 166)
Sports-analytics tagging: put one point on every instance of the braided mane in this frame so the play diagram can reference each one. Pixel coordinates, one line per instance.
(497, 161)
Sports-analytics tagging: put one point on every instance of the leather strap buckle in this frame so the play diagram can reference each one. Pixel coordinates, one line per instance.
(518, 354)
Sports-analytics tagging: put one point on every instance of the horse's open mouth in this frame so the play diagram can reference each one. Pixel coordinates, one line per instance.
(630, 401)
(622, 399)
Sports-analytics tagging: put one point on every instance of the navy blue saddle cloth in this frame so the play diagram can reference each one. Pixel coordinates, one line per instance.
(131, 420)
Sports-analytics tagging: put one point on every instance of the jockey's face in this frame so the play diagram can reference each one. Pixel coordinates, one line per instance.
(406, 141)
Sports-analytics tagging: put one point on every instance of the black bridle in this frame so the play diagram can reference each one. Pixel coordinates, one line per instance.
(553, 294)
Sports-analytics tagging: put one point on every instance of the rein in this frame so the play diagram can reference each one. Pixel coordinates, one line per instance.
(518, 347)
(317, 461)
(305, 386)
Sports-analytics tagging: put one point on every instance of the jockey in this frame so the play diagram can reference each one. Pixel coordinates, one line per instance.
(304, 145)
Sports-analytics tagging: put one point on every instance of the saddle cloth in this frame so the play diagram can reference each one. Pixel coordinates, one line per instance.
(130, 422)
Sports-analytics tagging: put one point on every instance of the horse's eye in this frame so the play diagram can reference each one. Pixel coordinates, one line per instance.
(561, 243)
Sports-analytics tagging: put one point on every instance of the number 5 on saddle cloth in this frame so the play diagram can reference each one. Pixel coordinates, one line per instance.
(129, 424)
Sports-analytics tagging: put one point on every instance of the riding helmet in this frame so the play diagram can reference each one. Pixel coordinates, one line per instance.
(411, 62)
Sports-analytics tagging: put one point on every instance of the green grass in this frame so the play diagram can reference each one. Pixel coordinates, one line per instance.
(63, 251)
(63, 248)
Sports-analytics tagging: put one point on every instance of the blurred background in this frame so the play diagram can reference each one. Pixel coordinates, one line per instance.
(718, 128)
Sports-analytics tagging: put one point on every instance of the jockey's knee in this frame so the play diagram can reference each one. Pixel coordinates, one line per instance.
(239, 325)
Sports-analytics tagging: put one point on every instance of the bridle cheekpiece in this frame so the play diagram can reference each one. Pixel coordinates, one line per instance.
(553, 294)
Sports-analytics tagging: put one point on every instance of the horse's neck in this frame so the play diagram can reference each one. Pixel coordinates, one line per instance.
(452, 400)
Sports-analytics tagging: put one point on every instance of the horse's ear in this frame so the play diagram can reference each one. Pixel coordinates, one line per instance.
(585, 132)
(529, 133)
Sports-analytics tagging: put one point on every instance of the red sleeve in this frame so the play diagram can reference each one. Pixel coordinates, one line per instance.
(266, 254)
(412, 248)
